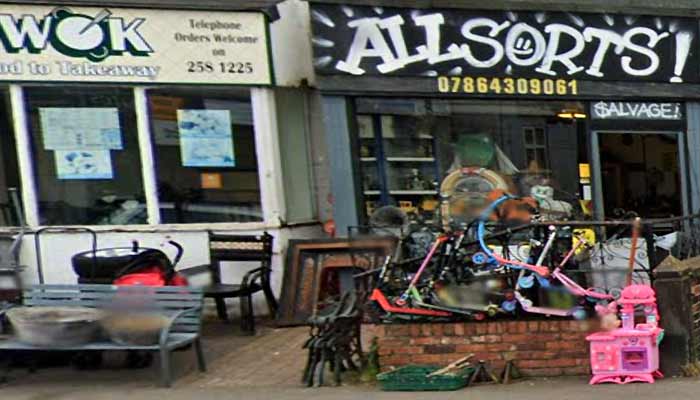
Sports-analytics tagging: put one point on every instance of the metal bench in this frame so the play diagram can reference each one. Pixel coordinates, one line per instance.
(183, 305)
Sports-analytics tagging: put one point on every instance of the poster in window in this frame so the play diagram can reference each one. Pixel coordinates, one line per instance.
(206, 139)
(81, 128)
(83, 164)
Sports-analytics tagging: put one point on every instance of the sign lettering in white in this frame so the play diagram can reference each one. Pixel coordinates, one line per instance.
(647, 111)
(78, 44)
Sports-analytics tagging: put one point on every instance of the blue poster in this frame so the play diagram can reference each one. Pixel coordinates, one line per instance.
(206, 139)
(83, 164)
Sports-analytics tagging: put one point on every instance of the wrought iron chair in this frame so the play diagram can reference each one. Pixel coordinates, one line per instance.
(238, 248)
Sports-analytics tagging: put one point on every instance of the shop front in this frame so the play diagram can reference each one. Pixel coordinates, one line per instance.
(145, 124)
(592, 114)
(433, 110)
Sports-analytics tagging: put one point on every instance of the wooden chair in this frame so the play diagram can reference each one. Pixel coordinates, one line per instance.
(238, 248)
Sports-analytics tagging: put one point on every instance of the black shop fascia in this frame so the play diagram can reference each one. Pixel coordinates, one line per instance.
(557, 85)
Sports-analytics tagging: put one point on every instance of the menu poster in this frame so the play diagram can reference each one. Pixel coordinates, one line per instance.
(206, 139)
(83, 128)
(83, 164)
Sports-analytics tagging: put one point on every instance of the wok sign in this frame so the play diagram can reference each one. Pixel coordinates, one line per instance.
(360, 40)
(39, 43)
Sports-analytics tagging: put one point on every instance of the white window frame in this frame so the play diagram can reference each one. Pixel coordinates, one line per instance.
(267, 148)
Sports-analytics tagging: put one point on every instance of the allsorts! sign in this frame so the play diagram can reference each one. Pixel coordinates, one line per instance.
(39, 43)
(465, 43)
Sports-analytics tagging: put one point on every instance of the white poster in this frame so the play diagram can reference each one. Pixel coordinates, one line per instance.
(81, 128)
(206, 139)
(83, 164)
(46, 43)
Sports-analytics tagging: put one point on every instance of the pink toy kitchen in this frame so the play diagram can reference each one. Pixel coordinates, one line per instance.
(627, 350)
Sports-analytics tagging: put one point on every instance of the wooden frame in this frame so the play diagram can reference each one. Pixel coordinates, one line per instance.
(305, 260)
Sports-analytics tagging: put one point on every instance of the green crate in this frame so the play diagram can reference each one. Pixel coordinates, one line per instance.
(413, 378)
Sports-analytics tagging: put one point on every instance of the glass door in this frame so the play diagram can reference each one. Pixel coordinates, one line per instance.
(640, 172)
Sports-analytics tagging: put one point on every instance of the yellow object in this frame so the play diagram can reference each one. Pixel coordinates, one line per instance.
(211, 180)
(429, 204)
(407, 207)
(588, 236)
(584, 171)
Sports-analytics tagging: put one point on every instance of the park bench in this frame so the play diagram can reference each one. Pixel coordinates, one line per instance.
(183, 306)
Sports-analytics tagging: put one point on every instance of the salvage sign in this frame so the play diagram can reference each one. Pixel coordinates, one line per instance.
(77, 44)
(531, 52)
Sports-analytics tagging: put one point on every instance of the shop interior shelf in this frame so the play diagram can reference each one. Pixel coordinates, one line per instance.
(411, 159)
(412, 192)
(372, 192)
(368, 159)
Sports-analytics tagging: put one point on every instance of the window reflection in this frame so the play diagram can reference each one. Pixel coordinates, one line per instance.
(206, 164)
(421, 155)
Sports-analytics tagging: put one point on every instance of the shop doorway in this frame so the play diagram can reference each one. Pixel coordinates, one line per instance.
(641, 172)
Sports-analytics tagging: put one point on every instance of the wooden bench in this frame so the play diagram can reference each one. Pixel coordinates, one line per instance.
(183, 306)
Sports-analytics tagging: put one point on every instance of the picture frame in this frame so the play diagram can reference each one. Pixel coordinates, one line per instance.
(304, 265)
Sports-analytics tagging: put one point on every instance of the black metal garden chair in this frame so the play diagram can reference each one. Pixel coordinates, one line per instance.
(226, 250)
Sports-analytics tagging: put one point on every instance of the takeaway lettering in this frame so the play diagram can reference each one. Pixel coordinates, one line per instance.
(518, 43)
(67, 68)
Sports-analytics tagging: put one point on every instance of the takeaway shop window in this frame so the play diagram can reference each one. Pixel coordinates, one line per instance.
(86, 155)
(10, 207)
(413, 150)
(206, 163)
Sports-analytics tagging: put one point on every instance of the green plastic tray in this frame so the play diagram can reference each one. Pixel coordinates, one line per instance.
(413, 378)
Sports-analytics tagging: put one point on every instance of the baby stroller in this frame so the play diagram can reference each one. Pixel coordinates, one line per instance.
(127, 266)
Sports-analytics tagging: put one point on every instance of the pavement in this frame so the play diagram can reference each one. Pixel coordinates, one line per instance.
(268, 366)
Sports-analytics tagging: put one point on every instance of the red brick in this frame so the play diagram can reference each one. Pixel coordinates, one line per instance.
(424, 340)
(439, 349)
(470, 328)
(498, 347)
(394, 361)
(437, 330)
(459, 329)
(532, 346)
(385, 351)
(559, 345)
(449, 329)
(415, 330)
(487, 339)
(425, 329)
(533, 326)
(492, 328)
(482, 328)
(398, 330)
(470, 348)
(536, 355)
(435, 359)
(580, 336)
(517, 338)
(407, 350)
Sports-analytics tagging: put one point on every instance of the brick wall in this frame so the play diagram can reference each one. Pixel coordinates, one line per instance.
(539, 348)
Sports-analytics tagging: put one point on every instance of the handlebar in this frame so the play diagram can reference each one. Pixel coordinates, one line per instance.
(180, 251)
